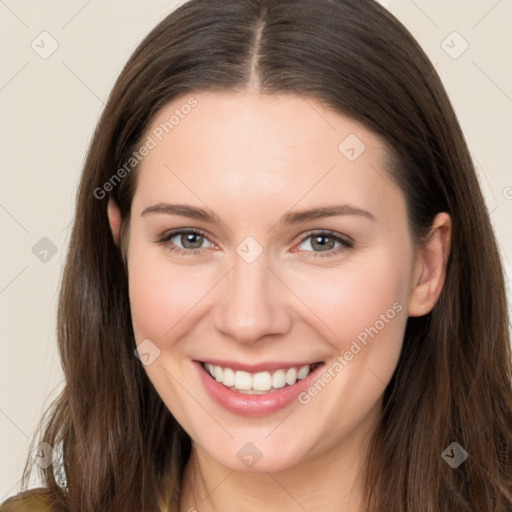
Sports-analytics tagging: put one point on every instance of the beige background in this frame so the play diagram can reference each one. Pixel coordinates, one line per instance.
(48, 110)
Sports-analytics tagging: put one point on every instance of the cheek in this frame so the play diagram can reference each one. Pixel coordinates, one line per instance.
(162, 295)
(352, 299)
(363, 307)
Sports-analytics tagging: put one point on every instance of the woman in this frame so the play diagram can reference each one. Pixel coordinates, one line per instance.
(283, 291)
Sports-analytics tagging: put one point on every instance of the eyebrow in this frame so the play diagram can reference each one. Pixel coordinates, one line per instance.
(296, 217)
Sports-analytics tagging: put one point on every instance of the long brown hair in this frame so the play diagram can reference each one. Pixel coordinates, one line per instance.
(117, 447)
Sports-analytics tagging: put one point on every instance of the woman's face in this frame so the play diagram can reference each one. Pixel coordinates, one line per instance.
(294, 251)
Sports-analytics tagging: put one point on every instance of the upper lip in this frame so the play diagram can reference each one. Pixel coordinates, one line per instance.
(258, 367)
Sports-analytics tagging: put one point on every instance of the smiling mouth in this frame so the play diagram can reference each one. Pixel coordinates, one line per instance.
(258, 383)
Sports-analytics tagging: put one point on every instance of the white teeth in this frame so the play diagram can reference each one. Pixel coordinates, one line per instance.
(257, 383)
(303, 372)
(291, 376)
(262, 381)
(229, 377)
(243, 380)
(279, 379)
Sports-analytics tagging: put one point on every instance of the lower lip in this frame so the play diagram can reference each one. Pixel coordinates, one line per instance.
(254, 405)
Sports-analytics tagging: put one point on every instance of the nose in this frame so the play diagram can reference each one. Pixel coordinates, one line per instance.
(253, 302)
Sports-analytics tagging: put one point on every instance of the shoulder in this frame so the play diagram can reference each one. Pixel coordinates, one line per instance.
(33, 500)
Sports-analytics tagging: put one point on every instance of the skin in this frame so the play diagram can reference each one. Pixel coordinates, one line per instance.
(250, 159)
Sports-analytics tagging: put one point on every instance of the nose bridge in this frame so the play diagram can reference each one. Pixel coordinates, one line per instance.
(253, 302)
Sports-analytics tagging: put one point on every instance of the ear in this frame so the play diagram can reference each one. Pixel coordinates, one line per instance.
(114, 219)
(430, 267)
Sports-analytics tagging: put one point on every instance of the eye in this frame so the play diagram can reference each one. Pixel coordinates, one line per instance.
(325, 241)
(191, 241)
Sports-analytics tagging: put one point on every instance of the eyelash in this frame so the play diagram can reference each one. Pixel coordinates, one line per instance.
(346, 243)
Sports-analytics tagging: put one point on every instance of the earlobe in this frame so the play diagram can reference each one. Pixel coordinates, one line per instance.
(114, 219)
(430, 271)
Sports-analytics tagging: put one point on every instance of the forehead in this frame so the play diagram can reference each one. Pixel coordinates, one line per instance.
(254, 122)
(250, 149)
